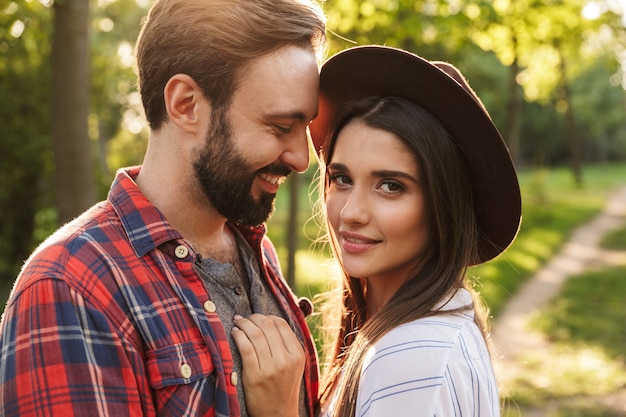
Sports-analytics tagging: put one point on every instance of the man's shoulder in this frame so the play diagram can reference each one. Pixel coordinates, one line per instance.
(76, 247)
(97, 224)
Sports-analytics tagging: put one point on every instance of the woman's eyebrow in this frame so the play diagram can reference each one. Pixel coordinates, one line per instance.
(337, 166)
(393, 174)
(382, 173)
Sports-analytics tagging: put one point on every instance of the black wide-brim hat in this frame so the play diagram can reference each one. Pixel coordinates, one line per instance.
(442, 90)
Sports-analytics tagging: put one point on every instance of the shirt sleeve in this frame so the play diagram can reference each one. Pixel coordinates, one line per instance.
(426, 369)
(61, 356)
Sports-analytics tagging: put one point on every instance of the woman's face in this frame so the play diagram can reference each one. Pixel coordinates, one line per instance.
(375, 205)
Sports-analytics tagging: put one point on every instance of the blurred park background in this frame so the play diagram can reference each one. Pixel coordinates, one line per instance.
(552, 74)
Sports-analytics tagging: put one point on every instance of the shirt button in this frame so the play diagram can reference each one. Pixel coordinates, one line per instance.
(209, 306)
(185, 370)
(181, 251)
(238, 290)
(234, 378)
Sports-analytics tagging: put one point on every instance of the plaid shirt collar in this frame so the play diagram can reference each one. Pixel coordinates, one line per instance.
(146, 227)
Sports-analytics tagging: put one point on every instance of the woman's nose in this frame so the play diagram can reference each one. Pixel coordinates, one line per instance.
(355, 208)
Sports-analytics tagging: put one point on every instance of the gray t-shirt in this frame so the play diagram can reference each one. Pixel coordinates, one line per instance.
(233, 294)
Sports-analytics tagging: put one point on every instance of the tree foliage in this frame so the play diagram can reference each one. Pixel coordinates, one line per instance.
(27, 165)
(116, 119)
(541, 48)
(26, 162)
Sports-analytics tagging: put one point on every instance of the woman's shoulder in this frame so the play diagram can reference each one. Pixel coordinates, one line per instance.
(415, 365)
(406, 367)
(440, 329)
(427, 337)
(443, 328)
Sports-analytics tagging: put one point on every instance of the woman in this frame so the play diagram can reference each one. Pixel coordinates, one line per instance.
(418, 186)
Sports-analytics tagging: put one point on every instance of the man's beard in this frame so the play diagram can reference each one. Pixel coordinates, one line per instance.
(226, 178)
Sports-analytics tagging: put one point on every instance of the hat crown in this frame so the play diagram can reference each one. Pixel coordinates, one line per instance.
(454, 73)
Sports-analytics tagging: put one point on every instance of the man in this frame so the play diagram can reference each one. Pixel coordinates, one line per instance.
(128, 310)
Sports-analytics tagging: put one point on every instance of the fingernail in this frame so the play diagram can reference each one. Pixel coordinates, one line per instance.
(235, 329)
(237, 317)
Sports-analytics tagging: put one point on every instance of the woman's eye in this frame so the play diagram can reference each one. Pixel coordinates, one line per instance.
(339, 179)
(391, 187)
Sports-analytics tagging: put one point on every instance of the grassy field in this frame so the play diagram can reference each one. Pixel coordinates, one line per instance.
(582, 373)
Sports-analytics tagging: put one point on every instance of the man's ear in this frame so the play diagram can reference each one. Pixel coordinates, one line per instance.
(183, 100)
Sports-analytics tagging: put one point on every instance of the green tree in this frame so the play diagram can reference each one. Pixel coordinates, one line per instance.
(116, 121)
(546, 46)
(26, 164)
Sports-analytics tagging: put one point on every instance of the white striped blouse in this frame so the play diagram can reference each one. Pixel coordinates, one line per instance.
(436, 366)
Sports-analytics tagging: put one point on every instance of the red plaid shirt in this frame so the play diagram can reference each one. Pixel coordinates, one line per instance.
(110, 318)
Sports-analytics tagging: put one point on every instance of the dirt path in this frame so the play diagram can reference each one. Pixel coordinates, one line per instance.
(511, 336)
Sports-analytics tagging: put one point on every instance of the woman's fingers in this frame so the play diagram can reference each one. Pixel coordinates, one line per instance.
(273, 364)
(267, 341)
(289, 338)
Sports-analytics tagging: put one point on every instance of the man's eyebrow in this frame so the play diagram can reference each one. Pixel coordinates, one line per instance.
(295, 115)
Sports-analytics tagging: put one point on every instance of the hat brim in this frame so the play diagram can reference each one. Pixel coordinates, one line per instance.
(377, 70)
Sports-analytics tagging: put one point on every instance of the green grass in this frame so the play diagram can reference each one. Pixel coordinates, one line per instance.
(585, 410)
(585, 324)
(590, 311)
(615, 240)
(587, 354)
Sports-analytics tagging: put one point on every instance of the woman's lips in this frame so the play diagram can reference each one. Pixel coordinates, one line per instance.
(355, 243)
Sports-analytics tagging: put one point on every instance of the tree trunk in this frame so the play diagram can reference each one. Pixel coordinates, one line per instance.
(74, 178)
(571, 130)
(292, 230)
(514, 108)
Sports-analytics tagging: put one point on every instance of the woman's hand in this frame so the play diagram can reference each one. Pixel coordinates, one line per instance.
(273, 365)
